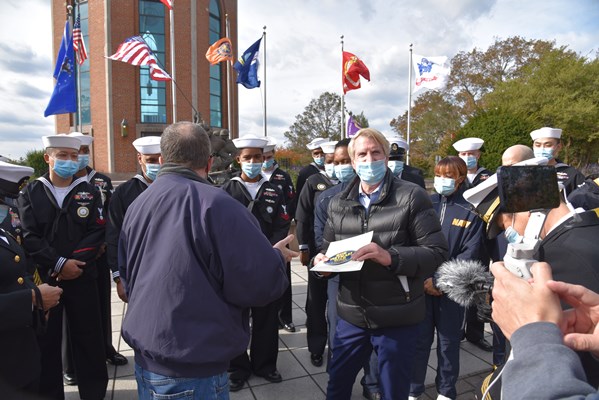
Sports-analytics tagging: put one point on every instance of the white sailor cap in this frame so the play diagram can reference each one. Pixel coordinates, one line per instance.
(86, 140)
(468, 144)
(545, 132)
(147, 145)
(12, 177)
(328, 147)
(270, 146)
(61, 140)
(251, 141)
(399, 142)
(315, 143)
(485, 198)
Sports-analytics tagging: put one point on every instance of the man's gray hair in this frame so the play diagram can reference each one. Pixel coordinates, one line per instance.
(186, 144)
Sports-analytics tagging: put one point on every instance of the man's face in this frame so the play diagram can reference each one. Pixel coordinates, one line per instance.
(60, 153)
(250, 155)
(475, 153)
(269, 156)
(366, 149)
(341, 156)
(548, 143)
(144, 159)
(317, 153)
(329, 159)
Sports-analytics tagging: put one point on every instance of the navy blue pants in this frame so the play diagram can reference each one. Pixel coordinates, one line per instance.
(352, 346)
(370, 380)
(447, 318)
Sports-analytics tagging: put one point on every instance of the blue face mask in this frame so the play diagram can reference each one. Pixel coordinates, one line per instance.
(546, 152)
(65, 168)
(344, 172)
(395, 166)
(470, 161)
(512, 235)
(3, 212)
(371, 172)
(83, 161)
(152, 171)
(251, 170)
(444, 186)
(268, 164)
(329, 169)
(318, 161)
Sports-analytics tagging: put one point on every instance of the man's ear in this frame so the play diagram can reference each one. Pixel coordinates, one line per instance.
(47, 158)
(209, 164)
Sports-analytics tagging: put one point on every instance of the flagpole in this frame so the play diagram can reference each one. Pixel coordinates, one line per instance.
(264, 73)
(409, 104)
(343, 133)
(79, 123)
(173, 74)
(228, 64)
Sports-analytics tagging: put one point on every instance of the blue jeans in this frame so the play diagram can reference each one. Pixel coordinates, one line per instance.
(151, 386)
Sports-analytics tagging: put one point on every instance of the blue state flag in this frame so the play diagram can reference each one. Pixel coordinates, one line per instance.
(247, 67)
(64, 96)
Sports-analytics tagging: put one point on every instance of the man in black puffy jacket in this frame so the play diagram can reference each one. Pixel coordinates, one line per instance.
(381, 305)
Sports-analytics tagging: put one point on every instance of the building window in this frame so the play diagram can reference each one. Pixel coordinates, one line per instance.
(83, 73)
(152, 93)
(216, 95)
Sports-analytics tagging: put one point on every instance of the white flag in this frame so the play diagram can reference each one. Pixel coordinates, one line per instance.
(431, 72)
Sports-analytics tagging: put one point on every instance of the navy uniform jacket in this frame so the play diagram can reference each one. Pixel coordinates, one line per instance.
(568, 176)
(571, 250)
(282, 180)
(20, 364)
(53, 234)
(304, 214)
(462, 228)
(586, 195)
(482, 174)
(102, 183)
(120, 201)
(12, 224)
(304, 174)
(413, 177)
(268, 207)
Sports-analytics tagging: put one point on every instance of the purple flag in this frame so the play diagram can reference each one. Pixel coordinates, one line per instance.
(352, 127)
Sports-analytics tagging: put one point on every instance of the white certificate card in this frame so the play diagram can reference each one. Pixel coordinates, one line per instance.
(340, 252)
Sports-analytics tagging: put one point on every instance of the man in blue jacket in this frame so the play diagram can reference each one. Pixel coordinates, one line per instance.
(196, 260)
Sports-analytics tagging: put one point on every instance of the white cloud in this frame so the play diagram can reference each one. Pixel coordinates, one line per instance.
(304, 52)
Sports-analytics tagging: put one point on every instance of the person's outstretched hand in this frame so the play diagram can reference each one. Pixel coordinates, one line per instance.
(282, 246)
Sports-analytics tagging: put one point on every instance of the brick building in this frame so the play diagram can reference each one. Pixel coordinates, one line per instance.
(118, 101)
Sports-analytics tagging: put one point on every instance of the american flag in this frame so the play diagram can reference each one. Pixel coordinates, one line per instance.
(78, 43)
(168, 3)
(135, 51)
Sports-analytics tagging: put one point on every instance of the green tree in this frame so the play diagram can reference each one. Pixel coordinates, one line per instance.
(35, 159)
(560, 91)
(499, 129)
(434, 119)
(360, 119)
(321, 118)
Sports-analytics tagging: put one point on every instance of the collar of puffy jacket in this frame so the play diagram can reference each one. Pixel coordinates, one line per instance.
(351, 192)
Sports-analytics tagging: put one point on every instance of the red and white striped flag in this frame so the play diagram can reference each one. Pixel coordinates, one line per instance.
(168, 3)
(78, 43)
(135, 51)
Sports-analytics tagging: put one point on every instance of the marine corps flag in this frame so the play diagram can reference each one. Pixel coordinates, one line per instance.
(222, 50)
(352, 69)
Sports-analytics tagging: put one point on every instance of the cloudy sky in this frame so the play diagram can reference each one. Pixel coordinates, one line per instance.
(304, 52)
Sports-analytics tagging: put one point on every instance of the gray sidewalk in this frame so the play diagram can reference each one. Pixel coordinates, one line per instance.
(301, 380)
